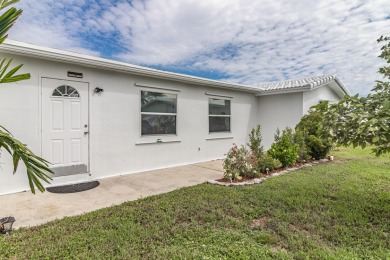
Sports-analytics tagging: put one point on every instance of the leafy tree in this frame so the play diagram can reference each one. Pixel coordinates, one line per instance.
(37, 168)
(362, 121)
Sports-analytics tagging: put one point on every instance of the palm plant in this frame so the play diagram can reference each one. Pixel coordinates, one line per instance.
(37, 168)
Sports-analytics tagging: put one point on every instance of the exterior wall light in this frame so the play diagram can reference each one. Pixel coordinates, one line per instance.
(98, 90)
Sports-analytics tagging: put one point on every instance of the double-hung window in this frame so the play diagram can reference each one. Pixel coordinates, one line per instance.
(219, 115)
(158, 113)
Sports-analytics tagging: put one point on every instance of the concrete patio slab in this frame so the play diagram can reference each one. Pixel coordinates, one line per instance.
(32, 210)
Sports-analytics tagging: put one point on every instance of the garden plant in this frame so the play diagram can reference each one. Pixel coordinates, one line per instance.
(36, 167)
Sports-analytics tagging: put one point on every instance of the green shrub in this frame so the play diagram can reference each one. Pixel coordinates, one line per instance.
(318, 148)
(239, 163)
(316, 137)
(284, 149)
(263, 162)
(304, 154)
(267, 162)
(255, 142)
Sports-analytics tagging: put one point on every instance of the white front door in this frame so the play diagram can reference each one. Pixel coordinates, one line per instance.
(65, 126)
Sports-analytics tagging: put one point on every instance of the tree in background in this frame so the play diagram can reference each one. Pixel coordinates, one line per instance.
(37, 168)
(362, 121)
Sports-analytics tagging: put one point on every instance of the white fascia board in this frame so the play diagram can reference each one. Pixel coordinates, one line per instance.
(335, 85)
(341, 86)
(30, 50)
(340, 91)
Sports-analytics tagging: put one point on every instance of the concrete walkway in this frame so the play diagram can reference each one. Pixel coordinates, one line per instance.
(31, 210)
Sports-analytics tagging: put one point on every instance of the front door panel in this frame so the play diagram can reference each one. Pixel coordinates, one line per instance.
(65, 126)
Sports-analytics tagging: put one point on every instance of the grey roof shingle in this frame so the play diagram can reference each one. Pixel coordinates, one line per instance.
(304, 83)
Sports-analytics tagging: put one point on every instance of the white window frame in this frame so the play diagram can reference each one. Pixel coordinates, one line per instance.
(156, 113)
(224, 98)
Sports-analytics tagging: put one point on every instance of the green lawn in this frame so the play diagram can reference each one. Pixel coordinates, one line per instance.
(337, 210)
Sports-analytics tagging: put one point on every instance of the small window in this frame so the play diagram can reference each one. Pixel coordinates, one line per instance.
(219, 115)
(158, 113)
(65, 91)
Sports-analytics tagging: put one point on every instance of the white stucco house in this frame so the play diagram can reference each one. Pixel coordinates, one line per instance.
(94, 118)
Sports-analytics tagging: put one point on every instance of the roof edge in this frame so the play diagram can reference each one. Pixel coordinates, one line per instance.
(307, 87)
(341, 85)
(30, 50)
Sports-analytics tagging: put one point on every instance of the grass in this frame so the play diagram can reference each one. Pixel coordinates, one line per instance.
(337, 210)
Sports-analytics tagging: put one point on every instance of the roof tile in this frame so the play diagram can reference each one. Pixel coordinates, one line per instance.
(309, 82)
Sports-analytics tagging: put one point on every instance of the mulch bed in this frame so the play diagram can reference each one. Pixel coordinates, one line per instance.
(264, 175)
(234, 181)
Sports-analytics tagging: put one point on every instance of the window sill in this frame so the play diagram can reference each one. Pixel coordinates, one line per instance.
(160, 141)
(219, 137)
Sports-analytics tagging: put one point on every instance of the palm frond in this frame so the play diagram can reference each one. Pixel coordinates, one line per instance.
(9, 76)
(37, 168)
(6, 3)
(7, 20)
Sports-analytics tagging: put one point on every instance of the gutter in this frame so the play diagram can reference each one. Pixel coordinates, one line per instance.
(29, 50)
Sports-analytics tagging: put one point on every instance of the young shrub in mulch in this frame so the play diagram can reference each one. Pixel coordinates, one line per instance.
(239, 163)
(284, 149)
(266, 164)
(255, 140)
(248, 162)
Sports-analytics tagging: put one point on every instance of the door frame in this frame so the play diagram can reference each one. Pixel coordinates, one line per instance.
(40, 98)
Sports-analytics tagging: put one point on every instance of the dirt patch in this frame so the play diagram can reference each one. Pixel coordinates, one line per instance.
(280, 248)
(260, 222)
(339, 160)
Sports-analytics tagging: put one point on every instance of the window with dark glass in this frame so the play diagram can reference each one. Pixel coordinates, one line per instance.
(219, 115)
(158, 113)
(65, 91)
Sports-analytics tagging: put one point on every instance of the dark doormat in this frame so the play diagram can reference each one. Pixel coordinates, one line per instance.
(74, 187)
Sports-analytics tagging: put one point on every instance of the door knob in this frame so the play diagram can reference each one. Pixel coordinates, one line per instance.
(86, 132)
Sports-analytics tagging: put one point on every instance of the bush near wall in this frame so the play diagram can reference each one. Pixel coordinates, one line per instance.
(249, 161)
(239, 163)
(309, 141)
(284, 149)
(316, 137)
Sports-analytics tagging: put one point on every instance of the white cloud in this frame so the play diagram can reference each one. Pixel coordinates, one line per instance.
(55, 24)
(247, 41)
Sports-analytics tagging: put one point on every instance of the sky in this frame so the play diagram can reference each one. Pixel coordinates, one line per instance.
(241, 41)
